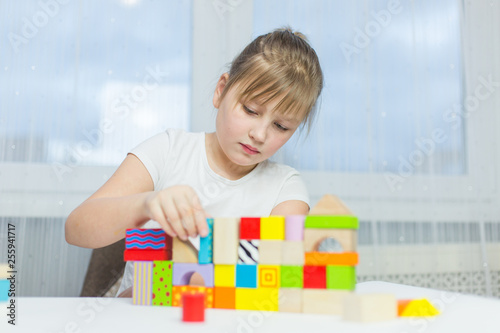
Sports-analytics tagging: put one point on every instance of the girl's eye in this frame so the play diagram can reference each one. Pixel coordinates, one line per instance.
(281, 128)
(247, 110)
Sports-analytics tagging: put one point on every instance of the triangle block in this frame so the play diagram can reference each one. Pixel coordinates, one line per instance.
(330, 205)
(419, 308)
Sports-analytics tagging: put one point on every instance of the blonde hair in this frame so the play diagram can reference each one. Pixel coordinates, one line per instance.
(280, 64)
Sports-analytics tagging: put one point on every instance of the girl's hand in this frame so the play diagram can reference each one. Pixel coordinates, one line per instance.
(178, 210)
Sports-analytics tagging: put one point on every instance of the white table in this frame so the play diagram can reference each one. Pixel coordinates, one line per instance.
(459, 313)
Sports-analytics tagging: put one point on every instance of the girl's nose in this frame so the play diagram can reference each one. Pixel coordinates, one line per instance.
(258, 133)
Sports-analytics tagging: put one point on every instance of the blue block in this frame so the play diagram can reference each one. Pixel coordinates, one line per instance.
(4, 290)
(205, 255)
(246, 276)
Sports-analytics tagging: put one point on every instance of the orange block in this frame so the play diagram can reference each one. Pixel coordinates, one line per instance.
(325, 258)
(178, 291)
(402, 304)
(225, 297)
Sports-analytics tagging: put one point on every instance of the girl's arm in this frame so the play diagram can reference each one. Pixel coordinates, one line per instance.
(290, 207)
(127, 200)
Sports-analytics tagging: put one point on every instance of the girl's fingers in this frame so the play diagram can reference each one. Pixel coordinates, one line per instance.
(158, 216)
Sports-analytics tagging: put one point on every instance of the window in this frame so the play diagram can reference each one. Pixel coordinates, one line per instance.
(393, 74)
(84, 82)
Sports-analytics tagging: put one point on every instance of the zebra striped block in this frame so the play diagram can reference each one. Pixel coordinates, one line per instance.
(147, 239)
(248, 252)
(143, 282)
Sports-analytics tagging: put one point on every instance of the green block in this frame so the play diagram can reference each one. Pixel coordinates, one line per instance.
(331, 222)
(340, 277)
(162, 283)
(292, 276)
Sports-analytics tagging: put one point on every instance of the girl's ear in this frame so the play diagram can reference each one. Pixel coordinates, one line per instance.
(221, 84)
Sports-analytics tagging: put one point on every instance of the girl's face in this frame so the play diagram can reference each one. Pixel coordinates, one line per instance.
(250, 132)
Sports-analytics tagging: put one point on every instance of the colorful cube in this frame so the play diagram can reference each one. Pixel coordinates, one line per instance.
(272, 227)
(225, 297)
(143, 283)
(292, 277)
(162, 283)
(260, 299)
(314, 277)
(205, 254)
(250, 228)
(268, 276)
(341, 277)
(224, 275)
(246, 276)
(248, 252)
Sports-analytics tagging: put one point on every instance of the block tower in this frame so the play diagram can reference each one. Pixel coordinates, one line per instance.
(274, 263)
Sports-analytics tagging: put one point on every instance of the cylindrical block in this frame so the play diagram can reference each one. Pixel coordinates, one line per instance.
(193, 307)
(294, 227)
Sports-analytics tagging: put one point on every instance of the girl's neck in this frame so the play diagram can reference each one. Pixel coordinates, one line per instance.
(220, 164)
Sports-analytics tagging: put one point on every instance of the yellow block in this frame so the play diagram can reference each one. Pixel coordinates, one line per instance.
(261, 299)
(268, 276)
(419, 308)
(272, 227)
(224, 275)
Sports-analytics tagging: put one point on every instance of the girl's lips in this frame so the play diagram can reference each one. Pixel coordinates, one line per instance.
(249, 149)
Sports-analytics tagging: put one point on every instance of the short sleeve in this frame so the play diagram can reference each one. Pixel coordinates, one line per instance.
(294, 188)
(153, 153)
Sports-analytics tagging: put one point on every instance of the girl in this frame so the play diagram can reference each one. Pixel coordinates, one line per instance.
(177, 179)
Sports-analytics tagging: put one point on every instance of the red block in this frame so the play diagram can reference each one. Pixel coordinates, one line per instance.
(315, 277)
(147, 255)
(250, 228)
(193, 307)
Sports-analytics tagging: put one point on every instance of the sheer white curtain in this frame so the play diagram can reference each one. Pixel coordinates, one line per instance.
(405, 134)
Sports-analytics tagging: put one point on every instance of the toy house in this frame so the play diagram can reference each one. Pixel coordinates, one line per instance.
(276, 263)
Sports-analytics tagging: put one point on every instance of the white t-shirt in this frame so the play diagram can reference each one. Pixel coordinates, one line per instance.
(177, 157)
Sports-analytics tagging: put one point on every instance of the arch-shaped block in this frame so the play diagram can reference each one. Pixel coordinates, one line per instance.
(183, 271)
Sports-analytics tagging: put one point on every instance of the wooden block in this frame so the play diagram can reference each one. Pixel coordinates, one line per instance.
(226, 242)
(4, 268)
(184, 251)
(224, 275)
(270, 252)
(250, 228)
(142, 290)
(248, 251)
(290, 300)
(294, 227)
(292, 276)
(272, 227)
(402, 304)
(183, 271)
(4, 290)
(315, 277)
(162, 283)
(178, 291)
(324, 259)
(331, 222)
(323, 301)
(268, 276)
(330, 205)
(369, 307)
(292, 253)
(205, 255)
(340, 277)
(261, 299)
(246, 276)
(225, 297)
(345, 237)
(146, 255)
(419, 308)
(147, 239)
